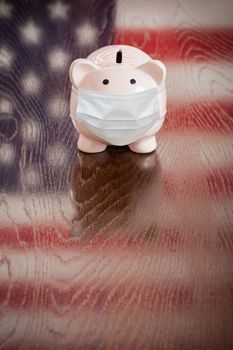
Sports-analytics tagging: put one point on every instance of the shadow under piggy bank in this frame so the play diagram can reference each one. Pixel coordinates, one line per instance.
(114, 193)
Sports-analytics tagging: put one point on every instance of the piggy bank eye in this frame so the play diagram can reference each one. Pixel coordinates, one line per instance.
(132, 81)
(105, 81)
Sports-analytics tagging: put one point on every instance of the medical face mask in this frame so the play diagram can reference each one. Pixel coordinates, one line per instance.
(119, 119)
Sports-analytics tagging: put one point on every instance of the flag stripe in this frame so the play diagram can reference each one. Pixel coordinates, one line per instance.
(194, 82)
(199, 116)
(164, 239)
(116, 265)
(61, 328)
(167, 204)
(179, 44)
(169, 14)
(96, 295)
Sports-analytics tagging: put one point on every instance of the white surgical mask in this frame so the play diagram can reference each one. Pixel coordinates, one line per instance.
(119, 119)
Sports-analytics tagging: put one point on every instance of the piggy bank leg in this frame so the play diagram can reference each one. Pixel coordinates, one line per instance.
(146, 145)
(89, 145)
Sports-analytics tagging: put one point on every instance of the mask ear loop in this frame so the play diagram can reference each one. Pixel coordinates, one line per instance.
(74, 89)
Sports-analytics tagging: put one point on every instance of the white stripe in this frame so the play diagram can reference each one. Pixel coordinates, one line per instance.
(190, 152)
(66, 267)
(199, 81)
(168, 213)
(184, 214)
(154, 14)
(35, 209)
(203, 211)
(78, 266)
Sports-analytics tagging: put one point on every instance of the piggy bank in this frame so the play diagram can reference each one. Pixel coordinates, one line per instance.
(118, 97)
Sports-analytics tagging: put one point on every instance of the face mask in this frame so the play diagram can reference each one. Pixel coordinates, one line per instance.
(119, 119)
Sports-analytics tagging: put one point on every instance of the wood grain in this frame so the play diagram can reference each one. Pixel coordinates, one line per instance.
(187, 44)
(117, 250)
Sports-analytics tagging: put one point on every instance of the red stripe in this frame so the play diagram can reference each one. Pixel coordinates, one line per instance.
(161, 240)
(200, 116)
(27, 236)
(215, 182)
(99, 296)
(196, 44)
(42, 236)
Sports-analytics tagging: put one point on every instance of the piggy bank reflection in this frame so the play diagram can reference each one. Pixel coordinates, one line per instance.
(110, 194)
(118, 98)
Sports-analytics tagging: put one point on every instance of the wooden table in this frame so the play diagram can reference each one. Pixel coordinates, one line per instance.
(116, 250)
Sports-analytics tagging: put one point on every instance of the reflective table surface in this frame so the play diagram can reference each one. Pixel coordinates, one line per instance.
(116, 250)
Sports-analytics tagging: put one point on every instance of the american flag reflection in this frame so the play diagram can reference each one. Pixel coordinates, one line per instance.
(93, 254)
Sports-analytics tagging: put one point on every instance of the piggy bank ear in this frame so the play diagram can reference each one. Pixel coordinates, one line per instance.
(79, 69)
(156, 69)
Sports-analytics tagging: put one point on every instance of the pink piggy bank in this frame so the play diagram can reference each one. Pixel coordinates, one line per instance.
(118, 97)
